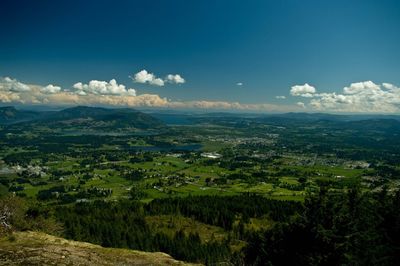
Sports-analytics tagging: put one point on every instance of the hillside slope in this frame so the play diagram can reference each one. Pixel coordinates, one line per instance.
(9, 114)
(100, 118)
(33, 248)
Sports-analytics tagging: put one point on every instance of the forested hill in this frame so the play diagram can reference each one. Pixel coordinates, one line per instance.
(9, 114)
(79, 117)
(103, 117)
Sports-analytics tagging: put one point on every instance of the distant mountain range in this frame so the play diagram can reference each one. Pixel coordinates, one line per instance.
(360, 123)
(304, 116)
(82, 117)
(122, 118)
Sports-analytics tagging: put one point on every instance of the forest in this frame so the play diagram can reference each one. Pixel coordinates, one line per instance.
(354, 228)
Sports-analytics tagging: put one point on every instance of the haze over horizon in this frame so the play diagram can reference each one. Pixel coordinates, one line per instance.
(262, 56)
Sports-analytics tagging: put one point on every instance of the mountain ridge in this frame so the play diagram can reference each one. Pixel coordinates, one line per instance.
(83, 117)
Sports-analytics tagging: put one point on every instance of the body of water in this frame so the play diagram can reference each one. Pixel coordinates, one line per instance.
(187, 147)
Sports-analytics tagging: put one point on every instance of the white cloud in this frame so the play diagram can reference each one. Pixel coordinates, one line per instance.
(8, 97)
(146, 77)
(239, 84)
(305, 90)
(175, 79)
(364, 97)
(301, 104)
(81, 92)
(103, 88)
(360, 97)
(50, 89)
(390, 87)
(361, 88)
(8, 84)
(280, 97)
(114, 94)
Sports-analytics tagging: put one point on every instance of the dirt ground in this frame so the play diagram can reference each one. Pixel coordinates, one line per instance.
(33, 248)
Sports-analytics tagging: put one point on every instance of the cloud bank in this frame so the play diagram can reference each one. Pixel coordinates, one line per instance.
(359, 97)
(97, 92)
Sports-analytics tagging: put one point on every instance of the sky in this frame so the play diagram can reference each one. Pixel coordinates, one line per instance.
(267, 56)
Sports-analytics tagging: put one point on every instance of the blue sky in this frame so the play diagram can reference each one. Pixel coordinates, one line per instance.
(268, 46)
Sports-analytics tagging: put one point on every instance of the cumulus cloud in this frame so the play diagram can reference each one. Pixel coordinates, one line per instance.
(95, 92)
(9, 84)
(280, 97)
(365, 97)
(103, 88)
(305, 90)
(301, 104)
(358, 97)
(146, 77)
(361, 88)
(239, 84)
(390, 87)
(50, 89)
(8, 97)
(114, 94)
(175, 79)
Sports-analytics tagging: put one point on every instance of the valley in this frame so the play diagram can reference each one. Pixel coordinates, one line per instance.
(209, 183)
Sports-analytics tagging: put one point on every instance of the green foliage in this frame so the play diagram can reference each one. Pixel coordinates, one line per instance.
(137, 193)
(12, 210)
(16, 214)
(222, 211)
(335, 229)
(122, 224)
